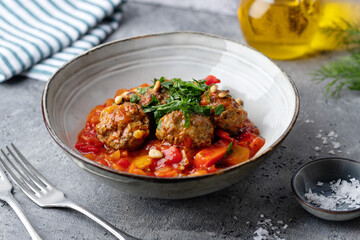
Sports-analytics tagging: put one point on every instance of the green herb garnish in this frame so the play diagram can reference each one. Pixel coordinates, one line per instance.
(143, 90)
(159, 125)
(134, 98)
(208, 96)
(184, 96)
(229, 150)
(167, 84)
(345, 70)
(219, 109)
(154, 101)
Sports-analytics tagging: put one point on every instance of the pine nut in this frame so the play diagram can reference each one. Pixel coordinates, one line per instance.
(138, 134)
(154, 153)
(157, 86)
(118, 100)
(223, 94)
(124, 94)
(239, 101)
(213, 88)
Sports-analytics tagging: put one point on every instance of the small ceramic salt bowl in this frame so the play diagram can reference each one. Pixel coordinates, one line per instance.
(319, 176)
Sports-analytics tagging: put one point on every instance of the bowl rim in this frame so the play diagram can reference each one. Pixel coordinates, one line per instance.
(302, 200)
(152, 178)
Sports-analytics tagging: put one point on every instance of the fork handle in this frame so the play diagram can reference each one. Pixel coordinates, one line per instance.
(117, 232)
(18, 210)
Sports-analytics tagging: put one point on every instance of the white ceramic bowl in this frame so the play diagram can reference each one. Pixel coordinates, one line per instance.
(270, 98)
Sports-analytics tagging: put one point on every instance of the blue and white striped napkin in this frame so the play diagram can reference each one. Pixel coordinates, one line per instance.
(39, 36)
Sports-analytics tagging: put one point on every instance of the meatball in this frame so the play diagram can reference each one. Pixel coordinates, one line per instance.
(160, 93)
(198, 134)
(232, 118)
(124, 126)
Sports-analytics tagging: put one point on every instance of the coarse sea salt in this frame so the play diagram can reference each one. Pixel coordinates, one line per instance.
(328, 140)
(268, 229)
(319, 183)
(345, 195)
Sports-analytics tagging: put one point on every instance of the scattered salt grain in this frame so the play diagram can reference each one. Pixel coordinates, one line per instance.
(331, 134)
(331, 152)
(268, 221)
(269, 230)
(261, 234)
(344, 195)
(319, 183)
(327, 139)
(336, 145)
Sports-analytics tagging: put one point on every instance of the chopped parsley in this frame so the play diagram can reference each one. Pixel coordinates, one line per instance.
(184, 96)
(143, 90)
(159, 125)
(219, 109)
(229, 150)
(208, 96)
(147, 107)
(134, 98)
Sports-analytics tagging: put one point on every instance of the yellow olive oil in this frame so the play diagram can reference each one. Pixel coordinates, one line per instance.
(281, 29)
(334, 12)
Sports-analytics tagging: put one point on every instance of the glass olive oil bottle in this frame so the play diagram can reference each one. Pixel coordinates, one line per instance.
(335, 12)
(281, 29)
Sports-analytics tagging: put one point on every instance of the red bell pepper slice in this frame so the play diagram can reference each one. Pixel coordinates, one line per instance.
(253, 141)
(172, 155)
(123, 162)
(222, 134)
(211, 80)
(86, 148)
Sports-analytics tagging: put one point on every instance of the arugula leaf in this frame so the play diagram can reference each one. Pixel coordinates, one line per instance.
(229, 150)
(219, 109)
(134, 98)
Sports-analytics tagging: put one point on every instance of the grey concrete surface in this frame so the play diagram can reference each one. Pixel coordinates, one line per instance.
(233, 213)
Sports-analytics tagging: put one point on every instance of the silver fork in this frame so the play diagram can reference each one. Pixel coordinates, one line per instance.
(5, 195)
(43, 193)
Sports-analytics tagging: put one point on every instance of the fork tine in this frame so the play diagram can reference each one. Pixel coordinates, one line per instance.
(22, 186)
(31, 168)
(23, 179)
(2, 173)
(27, 172)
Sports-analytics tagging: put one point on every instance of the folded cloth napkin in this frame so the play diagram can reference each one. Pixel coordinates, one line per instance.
(39, 36)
